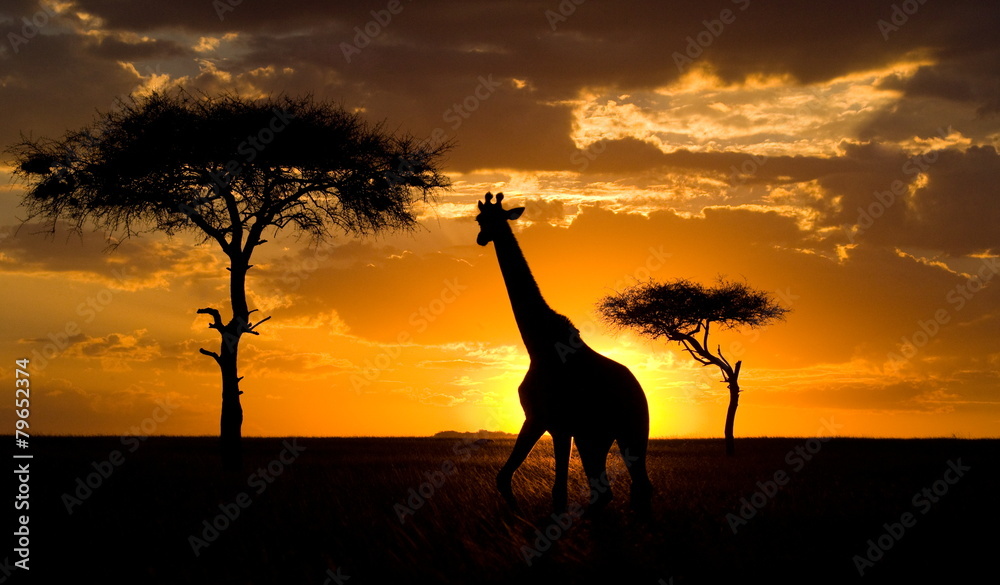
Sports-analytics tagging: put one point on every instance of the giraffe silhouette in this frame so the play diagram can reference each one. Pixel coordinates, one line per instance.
(570, 391)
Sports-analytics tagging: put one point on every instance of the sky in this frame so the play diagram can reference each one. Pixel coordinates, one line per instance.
(841, 156)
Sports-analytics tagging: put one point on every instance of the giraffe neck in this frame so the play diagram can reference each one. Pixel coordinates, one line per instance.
(540, 326)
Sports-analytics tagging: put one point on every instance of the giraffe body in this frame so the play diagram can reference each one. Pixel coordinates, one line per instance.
(570, 391)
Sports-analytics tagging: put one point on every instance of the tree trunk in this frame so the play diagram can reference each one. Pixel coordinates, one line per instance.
(734, 402)
(231, 420)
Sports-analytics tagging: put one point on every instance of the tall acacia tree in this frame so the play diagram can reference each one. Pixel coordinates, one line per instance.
(230, 169)
(684, 311)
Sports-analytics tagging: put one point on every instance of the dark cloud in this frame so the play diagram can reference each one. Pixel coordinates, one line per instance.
(958, 210)
(55, 83)
(136, 263)
(600, 42)
(944, 200)
(959, 94)
(544, 211)
(424, 65)
(144, 50)
(429, 55)
(630, 155)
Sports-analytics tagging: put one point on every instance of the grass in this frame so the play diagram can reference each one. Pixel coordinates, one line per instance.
(334, 508)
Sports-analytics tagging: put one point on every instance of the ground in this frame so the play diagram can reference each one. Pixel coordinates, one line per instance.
(322, 510)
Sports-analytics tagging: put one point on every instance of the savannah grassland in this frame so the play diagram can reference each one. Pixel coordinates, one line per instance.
(331, 513)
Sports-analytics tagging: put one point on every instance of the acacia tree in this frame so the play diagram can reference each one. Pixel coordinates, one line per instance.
(230, 169)
(684, 311)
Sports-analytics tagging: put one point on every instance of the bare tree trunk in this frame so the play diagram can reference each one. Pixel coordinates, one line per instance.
(734, 401)
(231, 418)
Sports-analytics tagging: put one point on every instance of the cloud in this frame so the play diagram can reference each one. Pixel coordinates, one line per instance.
(124, 48)
(133, 409)
(44, 251)
(757, 160)
(117, 352)
(943, 200)
(282, 362)
(598, 46)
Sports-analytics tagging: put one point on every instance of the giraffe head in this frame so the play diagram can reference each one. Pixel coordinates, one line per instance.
(493, 217)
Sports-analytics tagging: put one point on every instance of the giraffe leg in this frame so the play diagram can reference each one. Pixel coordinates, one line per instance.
(594, 454)
(633, 452)
(531, 431)
(561, 445)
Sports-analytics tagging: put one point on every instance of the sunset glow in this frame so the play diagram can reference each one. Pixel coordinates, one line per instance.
(851, 173)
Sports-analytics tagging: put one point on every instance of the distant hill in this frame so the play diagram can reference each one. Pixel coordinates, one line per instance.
(480, 434)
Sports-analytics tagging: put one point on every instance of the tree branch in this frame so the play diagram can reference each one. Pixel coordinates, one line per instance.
(722, 357)
(691, 351)
(707, 356)
(217, 318)
(251, 329)
(234, 217)
(265, 216)
(211, 354)
(200, 221)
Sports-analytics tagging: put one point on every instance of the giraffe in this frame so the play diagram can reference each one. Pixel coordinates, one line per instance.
(570, 391)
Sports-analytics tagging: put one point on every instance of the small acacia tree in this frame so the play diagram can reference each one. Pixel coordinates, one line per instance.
(229, 169)
(684, 311)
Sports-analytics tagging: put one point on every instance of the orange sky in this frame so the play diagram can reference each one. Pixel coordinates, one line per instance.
(853, 174)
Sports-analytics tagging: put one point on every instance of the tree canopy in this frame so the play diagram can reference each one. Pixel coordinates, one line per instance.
(682, 308)
(684, 311)
(172, 161)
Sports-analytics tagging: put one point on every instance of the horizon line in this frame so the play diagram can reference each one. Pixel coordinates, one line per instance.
(512, 436)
